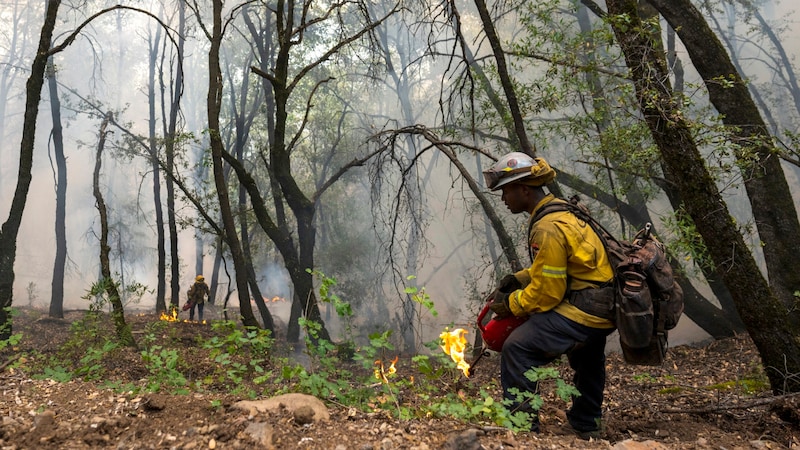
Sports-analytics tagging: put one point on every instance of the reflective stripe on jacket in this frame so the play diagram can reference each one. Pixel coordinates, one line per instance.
(565, 250)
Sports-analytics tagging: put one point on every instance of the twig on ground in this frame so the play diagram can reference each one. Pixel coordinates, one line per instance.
(9, 362)
(729, 407)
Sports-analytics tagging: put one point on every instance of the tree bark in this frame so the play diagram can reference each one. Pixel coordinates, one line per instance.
(774, 331)
(505, 78)
(217, 149)
(10, 228)
(765, 182)
(107, 282)
(170, 128)
(161, 253)
(57, 283)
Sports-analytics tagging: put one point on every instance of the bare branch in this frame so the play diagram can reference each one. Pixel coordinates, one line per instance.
(72, 36)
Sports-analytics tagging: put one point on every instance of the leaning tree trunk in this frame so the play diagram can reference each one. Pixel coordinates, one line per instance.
(774, 331)
(10, 229)
(718, 322)
(765, 182)
(118, 313)
(266, 316)
(213, 102)
(505, 78)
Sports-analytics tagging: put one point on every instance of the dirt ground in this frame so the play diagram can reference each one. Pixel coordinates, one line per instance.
(712, 397)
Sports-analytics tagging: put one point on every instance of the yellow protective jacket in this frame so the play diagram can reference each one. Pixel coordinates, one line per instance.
(567, 253)
(198, 292)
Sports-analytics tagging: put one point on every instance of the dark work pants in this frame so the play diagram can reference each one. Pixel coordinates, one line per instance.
(540, 340)
(199, 311)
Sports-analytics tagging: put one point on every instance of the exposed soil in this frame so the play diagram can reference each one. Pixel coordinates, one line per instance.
(712, 397)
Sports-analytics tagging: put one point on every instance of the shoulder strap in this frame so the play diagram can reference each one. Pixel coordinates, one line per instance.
(572, 206)
(553, 206)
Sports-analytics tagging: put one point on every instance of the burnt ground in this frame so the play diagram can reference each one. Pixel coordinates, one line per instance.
(62, 389)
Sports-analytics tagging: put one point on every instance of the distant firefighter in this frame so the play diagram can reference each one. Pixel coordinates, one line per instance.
(197, 297)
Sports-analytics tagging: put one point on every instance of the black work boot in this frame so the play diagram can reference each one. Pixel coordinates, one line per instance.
(566, 429)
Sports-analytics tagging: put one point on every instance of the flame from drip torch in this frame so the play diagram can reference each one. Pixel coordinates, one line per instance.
(171, 317)
(454, 343)
(382, 373)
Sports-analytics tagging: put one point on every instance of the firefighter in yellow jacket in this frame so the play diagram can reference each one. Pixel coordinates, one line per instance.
(566, 294)
(197, 294)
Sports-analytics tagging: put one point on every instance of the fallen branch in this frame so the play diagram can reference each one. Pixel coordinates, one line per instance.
(729, 407)
(9, 362)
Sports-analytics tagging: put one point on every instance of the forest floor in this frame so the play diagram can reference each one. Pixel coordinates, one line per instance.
(64, 387)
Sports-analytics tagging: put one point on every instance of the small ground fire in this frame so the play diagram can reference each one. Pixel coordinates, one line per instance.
(454, 343)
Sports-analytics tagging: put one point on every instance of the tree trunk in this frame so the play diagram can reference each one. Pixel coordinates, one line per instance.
(296, 259)
(765, 182)
(10, 228)
(300, 205)
(244, 115)
(172, 226)
(505, 79)
(57, 284)
(217, 149)
(118, 313)
(774, 331)
(161, 253)
(170, 138)
(258, 297)
(717, 322)
(266, 317)
(214, 285)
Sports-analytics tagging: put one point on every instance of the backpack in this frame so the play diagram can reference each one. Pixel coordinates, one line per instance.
(648, 302)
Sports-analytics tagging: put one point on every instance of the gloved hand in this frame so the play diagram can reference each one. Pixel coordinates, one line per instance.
(505, 286)
(508, 284)
(500, 305)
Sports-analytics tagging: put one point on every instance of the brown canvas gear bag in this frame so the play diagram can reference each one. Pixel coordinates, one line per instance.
(648, 302)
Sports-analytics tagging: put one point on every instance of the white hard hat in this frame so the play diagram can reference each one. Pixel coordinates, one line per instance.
(517, 166)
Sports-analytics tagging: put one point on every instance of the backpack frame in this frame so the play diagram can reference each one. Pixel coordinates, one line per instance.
(648, 302)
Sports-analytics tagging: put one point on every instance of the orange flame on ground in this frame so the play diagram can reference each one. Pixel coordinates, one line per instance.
(275, 299)
(171, 317)
(454, 343)
(381, 373)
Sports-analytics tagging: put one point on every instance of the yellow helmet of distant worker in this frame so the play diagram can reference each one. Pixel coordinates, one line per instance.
(199, 278)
